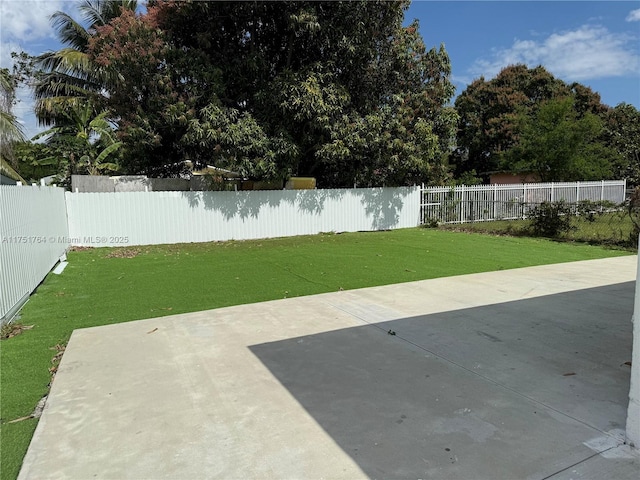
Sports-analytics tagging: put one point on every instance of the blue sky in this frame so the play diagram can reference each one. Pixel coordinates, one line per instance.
(596, 43)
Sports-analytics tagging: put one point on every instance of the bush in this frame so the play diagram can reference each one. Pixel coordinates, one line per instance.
(551, 219)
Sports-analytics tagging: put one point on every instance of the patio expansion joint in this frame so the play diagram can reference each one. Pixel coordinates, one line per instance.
(479, 375)
(579, 462)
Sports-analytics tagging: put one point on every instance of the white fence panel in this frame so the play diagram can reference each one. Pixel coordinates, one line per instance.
(33, 237)
(494, 202)
(146, 218)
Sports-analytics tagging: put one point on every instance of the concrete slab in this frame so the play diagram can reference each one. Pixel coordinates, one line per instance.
(513, 374)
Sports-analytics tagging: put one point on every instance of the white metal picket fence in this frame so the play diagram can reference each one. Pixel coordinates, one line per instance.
(33, 236)
(479, 203)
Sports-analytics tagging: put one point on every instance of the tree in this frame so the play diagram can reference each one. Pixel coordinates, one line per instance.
(66, 76)
(10, 129)
(561, 146)
(622, 134)
(273, 88)
(82, 143)
(491, 111)
(30, 160)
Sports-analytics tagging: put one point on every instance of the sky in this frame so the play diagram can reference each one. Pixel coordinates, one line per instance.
(596, 43)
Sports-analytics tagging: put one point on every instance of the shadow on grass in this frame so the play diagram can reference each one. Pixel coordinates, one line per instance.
(461, 394)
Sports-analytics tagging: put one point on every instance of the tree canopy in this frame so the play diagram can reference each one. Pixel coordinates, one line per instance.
(526, 120)
(560, 145)
(67, 77)
(340, 90)
(10, 129)
(336, 90)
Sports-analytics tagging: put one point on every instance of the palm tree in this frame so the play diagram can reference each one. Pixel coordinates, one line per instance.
(67, 77)
(10, 129)
(84, 139)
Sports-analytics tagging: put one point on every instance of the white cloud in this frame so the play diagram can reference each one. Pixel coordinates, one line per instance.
(5, 53)
(590, 52)
(28, 20)
(24, 26)
(634, 16)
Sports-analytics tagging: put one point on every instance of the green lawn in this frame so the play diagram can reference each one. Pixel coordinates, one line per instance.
(108, 285)
(608, 228)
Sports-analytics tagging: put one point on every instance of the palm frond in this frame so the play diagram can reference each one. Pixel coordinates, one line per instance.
(7, 170)
(106, 152)
(10, 129)
(67, 61)
(99, 12)
(69, 72)
(69, 31)
(6, 83)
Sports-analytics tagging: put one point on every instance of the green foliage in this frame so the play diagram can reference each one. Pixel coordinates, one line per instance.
(491, 112)
(36, 160)
(10, 129)
(63, 77)
(525, 120)
(336, 90)
(621, 133)
(237, 142)
(561, 146)
(468, 178)
(80, 144)
(610, 227)
(550, 219)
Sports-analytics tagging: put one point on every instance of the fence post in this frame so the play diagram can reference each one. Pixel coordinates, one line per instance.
(524, 199)
(577, 192)
(552, 199)
(461, 203)
(495, 194)
(423, 206)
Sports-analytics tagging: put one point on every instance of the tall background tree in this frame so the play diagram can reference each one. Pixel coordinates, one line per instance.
(11, 131)
(336, 90)
(526, 120)
(491, 112)
(621, 133)
(69, 89)
(67, 77)
(559, 144)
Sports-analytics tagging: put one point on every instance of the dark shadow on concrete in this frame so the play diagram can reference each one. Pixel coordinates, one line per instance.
(511, 390)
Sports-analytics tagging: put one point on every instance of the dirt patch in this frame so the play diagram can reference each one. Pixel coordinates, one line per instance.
(10, 330)
(80, 249)
(56, 359)
(123, 253)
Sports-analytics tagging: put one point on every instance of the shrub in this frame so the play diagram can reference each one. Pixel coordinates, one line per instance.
(551, 219)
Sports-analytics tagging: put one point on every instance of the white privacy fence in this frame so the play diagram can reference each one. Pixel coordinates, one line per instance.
(33, 236)
(476, 203)
(144, 218)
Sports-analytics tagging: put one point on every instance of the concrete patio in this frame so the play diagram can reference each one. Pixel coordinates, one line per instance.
(503, 375)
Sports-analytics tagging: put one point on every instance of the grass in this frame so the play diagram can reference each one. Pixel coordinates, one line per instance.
(109, 285)
(609, 228)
